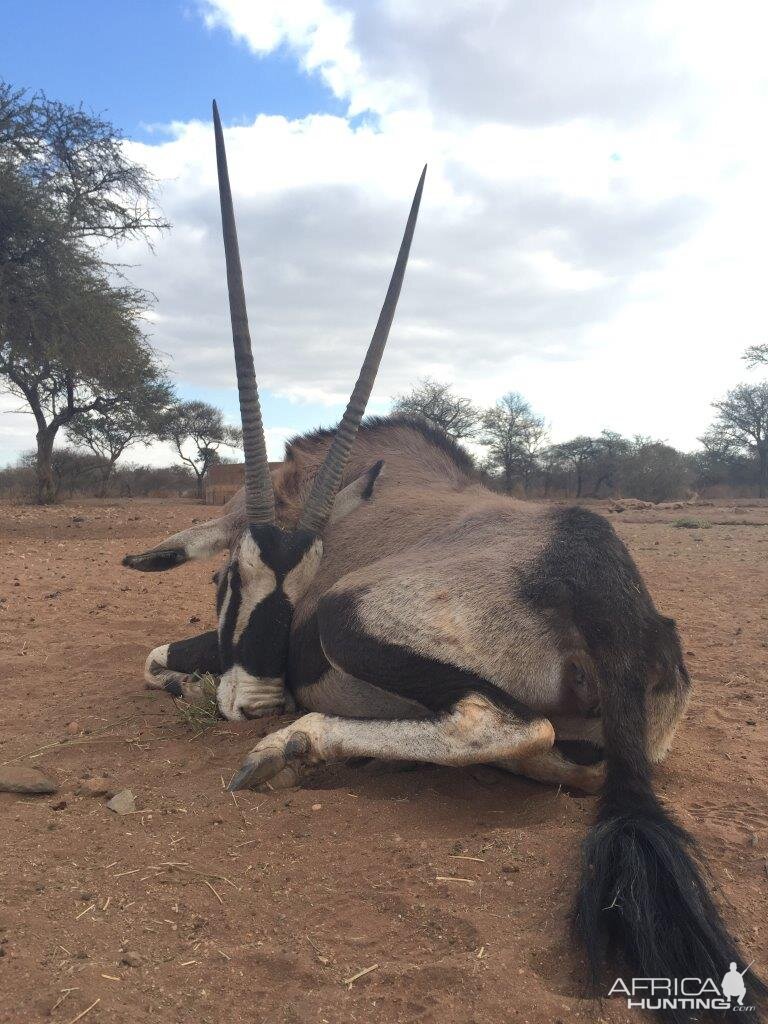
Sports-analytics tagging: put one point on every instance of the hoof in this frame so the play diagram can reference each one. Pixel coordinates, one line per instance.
(271, 759)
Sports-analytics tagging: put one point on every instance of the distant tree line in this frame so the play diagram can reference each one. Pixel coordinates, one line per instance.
(515, 451)
(88, 465)
(77, 473)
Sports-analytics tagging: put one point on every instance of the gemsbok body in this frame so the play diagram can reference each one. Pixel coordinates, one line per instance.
(415, 614)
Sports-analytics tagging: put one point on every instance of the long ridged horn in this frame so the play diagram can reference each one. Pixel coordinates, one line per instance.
(259, 496)
(328, 480)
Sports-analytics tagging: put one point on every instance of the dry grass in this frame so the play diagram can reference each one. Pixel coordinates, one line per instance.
(202, 713)
(692, 524)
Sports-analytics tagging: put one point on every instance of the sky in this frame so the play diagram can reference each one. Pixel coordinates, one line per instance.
(593, 223)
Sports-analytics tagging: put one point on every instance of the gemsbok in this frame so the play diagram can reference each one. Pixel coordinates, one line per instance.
(415, 614)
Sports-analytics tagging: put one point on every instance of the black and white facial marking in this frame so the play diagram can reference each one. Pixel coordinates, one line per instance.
(268, 571)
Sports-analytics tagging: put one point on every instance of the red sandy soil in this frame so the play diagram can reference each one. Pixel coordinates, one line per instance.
(259, 908)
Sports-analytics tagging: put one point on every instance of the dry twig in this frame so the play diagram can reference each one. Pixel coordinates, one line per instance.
(360, 974)
(206, 882)
(86, 1010)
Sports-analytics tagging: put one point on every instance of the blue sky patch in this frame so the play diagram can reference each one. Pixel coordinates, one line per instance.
(143, 63)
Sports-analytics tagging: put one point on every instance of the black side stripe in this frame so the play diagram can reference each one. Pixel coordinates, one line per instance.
(435, 684)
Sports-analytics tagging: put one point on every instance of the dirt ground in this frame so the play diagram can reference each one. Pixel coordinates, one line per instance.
(454, 884)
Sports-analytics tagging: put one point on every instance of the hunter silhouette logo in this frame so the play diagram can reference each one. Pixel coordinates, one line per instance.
(733, 984)
(686, 993)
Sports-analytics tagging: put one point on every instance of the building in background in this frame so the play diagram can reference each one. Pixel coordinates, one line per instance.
(224, 481)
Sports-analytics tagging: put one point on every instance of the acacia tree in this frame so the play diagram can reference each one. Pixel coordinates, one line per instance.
(197, 431)
(654, 471)
(70, 340)
(576, 456)
(611, 451)
(515, 437)
(741, 427)
(722, 462)
(70, 344)
(75, 162)
(109, 433)
(72, 470)
(439, 404)
(756, 355)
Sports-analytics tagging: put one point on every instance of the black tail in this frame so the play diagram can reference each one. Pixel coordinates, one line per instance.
(643, 893)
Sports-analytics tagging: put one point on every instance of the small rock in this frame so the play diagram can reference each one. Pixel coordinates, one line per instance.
(73, 728)
(123, 802)
(96, 787)
(14, 779)
(131, 959)
(78, 519)
(60, 806)
(317, 807)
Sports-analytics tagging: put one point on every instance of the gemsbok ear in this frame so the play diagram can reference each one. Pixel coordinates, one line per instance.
(201, 541)
(354, 494)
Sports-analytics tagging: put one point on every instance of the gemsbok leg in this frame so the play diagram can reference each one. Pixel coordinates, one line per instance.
(475, 730)
(552, 767)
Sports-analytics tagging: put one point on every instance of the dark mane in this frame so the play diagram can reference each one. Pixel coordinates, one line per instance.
(371, 425)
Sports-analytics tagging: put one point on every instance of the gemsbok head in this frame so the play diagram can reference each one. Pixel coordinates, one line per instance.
(270, 568)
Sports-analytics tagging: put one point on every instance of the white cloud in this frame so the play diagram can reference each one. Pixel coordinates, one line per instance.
(592, 226)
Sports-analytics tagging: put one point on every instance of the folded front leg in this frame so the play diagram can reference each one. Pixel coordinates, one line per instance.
(170, 667)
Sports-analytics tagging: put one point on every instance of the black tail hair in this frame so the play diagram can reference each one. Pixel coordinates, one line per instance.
(643, 892)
